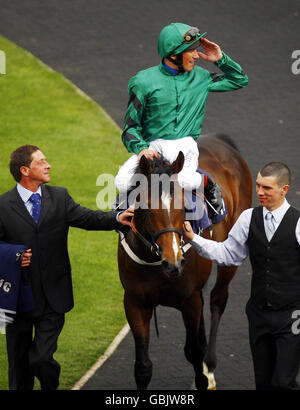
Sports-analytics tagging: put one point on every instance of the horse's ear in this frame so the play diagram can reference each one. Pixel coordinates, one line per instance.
(177, 165)
(145, 166)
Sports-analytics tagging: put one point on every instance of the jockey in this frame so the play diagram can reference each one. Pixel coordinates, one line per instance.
(167, 105)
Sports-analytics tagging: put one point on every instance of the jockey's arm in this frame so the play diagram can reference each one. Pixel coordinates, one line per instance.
(233, 77)
(132, 132)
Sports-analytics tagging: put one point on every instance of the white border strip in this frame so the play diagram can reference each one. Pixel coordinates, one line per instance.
(109, 351)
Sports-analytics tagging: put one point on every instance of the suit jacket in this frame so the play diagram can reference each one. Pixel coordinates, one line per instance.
(50, 269)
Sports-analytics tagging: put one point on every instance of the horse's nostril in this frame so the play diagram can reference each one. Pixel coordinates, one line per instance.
(171, 270)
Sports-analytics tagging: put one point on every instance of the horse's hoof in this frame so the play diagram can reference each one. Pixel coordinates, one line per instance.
(210, 377)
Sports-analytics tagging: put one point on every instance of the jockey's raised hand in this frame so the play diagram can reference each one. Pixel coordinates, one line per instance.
(212, 53)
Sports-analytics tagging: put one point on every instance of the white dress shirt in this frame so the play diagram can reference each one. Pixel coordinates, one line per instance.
(25, 194)
(234, 250)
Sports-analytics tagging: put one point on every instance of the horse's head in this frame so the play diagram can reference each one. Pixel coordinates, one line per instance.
(160, 215)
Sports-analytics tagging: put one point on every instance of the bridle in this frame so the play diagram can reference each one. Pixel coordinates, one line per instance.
(153, 246)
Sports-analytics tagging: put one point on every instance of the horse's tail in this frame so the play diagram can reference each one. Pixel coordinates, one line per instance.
(228, 140)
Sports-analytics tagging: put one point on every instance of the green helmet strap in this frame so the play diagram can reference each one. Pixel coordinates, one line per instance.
(178, 61)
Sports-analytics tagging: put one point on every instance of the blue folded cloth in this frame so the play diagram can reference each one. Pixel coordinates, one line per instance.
(15, 289)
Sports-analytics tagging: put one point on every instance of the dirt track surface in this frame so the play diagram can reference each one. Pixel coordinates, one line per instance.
(100, 45)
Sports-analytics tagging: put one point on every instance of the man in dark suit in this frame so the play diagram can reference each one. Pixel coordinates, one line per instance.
(41, 222)
(270, 235)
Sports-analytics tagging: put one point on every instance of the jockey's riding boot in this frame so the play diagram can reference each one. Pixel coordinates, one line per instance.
(213, 194)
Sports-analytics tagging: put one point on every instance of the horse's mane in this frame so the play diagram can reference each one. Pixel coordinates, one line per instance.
(223, 137)
(228, 140)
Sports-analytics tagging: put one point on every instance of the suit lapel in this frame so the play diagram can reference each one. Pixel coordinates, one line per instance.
(46, 203)
(19, 207)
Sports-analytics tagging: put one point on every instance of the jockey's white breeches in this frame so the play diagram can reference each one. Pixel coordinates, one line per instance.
(188, 178)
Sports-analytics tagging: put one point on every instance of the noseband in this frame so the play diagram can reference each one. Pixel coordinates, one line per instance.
(162, 231)
(153, 246)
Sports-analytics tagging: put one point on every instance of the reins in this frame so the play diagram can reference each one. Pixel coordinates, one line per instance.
(154, 248)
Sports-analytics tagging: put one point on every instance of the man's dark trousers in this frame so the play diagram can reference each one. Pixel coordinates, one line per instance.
(275, 347)
(29, 357)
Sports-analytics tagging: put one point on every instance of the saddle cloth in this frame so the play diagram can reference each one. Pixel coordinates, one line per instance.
(207, 219)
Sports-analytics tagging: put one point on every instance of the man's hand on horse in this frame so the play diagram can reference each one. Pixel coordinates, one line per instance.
(188, 233)
(212, 53)
(125, 217)
(149, 154)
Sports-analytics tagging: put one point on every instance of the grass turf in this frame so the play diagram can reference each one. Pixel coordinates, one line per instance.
(39, 106)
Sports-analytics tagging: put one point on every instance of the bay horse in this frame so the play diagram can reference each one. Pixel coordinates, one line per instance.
(154, 270)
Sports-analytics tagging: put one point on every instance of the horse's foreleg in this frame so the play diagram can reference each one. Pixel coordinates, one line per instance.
(139, 321)
(218, 300)
(194, 350)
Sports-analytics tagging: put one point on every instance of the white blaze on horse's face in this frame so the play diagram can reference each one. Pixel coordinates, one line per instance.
(166, 199)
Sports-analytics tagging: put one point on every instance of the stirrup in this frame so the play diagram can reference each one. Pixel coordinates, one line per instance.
(213, 194)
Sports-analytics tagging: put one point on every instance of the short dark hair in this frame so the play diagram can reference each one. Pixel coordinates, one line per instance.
(278, 170)
(21, 157)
